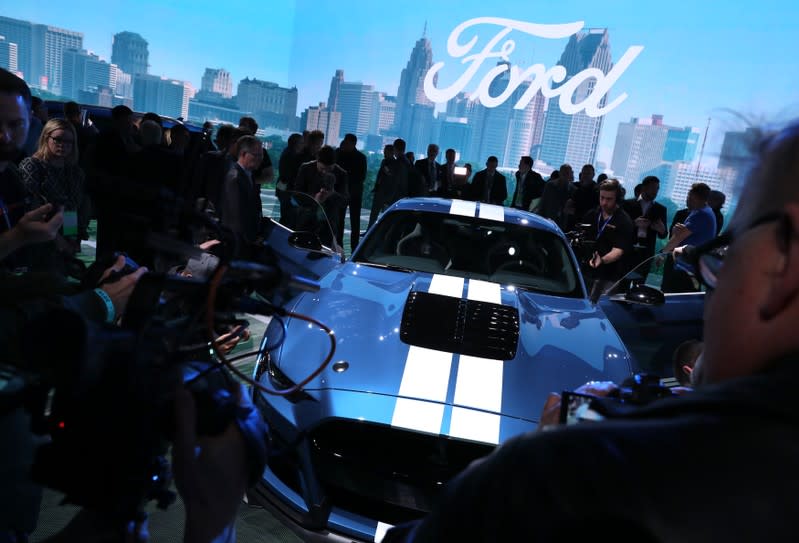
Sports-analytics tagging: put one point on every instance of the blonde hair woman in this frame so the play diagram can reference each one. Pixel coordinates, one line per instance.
(52, 175)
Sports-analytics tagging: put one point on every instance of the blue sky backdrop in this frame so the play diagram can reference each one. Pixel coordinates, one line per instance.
(699, 58)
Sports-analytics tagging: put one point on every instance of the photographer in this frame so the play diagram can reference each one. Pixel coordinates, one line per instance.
(714, 465)
(210, 471)
(612, 229)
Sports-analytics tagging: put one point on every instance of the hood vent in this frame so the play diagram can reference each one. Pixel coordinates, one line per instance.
(460, 326)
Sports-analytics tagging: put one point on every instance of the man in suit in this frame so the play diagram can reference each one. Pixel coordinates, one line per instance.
(529, 185)
(240, 209)
(448, 173)
(327, 183)
(489, 185)
(430, 171)
(354, 163)
(650, 221)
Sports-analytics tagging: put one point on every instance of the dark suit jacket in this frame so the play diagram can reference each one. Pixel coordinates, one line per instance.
(499, 188)
(423, 167)
(240, 210)
(532, 187)
(656, 211)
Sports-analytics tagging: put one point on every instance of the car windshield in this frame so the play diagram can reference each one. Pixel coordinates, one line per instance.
(522, 256)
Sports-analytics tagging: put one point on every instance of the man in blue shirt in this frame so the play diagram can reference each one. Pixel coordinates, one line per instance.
(699, 228)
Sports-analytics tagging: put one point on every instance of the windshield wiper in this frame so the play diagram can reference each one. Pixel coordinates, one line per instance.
(392, 267)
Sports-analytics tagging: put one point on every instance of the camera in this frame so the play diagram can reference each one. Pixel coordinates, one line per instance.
(102, 396)
(582, 243)
(638, 390)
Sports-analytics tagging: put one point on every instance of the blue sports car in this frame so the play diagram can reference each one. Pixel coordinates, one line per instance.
(453, 321)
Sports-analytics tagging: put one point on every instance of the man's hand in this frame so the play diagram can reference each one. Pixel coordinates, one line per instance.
(642, 222)
(550, 414)
(120, 291)
(210, 472)
(34, 227)
(206, 245)
(322, 195)
(679, 228)
(659, 227)
(228, 341)
(595, 261)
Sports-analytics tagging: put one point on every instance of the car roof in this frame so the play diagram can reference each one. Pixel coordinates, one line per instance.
(56, 110)
(445, 206)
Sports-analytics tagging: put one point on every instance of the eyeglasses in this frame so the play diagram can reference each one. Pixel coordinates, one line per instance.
(62, 141)
(707, 260)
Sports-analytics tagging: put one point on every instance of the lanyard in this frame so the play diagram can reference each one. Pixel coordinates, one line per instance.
(600, 229)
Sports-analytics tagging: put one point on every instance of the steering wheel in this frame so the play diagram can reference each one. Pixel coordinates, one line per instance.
(521, 266)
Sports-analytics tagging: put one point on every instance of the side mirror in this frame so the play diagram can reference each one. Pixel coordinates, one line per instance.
(644, 294)
(305, 240)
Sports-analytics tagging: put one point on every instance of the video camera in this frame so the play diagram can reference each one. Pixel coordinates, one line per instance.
(638, 390)
(582, 243)
(104, 395)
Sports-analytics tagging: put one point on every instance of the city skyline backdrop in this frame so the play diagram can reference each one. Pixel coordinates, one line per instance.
(699, 60)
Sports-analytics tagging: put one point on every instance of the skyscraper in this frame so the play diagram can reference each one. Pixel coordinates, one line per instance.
(573, 138)
(20, 33)
(322, 118)
(681, 144)
(455, 133)
(411, 90)
(84, 71)
(9, 55)
(161, 95)
(503, 131)
(639, 148)
(47, 54)
(335, 89)
(217, 81)
(386, 112)
(359, 106)
(129, 52)
(642, 144)
(271, 104)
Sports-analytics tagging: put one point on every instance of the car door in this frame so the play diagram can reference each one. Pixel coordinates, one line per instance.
(301, 243)
(652, 331)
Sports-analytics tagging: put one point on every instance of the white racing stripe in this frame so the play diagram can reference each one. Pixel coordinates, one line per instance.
(483, 291)
(426, 374)
(492, 212)
(474, 425)
(418, 415)
(447, 285)
(425, 378)
(462, 207)
(479, 383)
(380, 531)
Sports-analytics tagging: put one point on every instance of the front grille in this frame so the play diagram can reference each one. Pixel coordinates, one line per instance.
(460, 326)
(385, 473)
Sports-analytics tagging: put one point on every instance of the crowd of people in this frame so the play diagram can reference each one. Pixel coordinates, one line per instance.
(733, 434)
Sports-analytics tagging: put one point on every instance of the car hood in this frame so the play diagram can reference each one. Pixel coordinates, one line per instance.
(562, 343)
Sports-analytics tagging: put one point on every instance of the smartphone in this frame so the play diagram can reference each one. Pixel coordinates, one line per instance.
(575, 407)
(460, 170)
(70, 225)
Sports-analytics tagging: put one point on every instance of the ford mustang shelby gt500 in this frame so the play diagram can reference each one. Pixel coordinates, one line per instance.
(454, 320)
